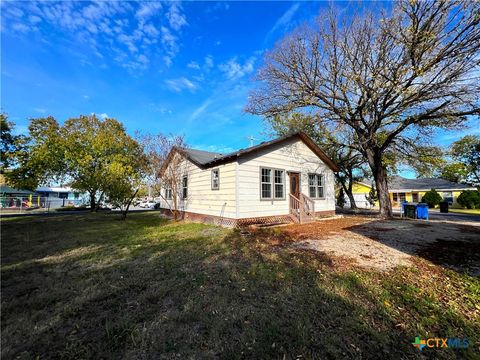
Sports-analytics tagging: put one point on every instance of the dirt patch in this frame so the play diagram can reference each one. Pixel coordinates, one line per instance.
(324, 228)
(385, 244)
(362, 251)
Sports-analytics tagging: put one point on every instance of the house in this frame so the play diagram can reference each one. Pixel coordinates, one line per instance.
(412, 190)
(283, 180)
(58, 192)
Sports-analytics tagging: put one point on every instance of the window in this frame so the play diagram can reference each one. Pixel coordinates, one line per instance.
(402, 197)
(279, 185)
(215, 179)
(168, 194)
(315, 186)
(272, 183)
(185, 187)
(415, 197)
(63, 195)
(395, 197)
(266, 184)
(76, 195)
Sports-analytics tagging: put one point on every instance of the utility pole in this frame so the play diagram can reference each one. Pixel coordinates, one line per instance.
(250, 140)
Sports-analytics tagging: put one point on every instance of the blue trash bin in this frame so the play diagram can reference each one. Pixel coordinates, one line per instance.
(422, 211)
(403, 208)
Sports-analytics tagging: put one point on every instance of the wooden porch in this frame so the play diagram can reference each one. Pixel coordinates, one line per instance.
(301, 209)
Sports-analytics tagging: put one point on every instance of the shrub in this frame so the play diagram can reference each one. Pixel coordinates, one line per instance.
(432, 198)
(469, 199)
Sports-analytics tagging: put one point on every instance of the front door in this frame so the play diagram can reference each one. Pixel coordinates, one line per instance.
(295, 184)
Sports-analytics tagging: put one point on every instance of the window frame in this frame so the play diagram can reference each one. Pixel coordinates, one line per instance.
(316, 186)
(168, 191)
(272, 184)
(218, 179)
(395, 197)
(184, 187)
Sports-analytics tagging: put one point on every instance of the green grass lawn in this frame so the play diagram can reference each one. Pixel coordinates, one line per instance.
(465, 211)
(92, 286)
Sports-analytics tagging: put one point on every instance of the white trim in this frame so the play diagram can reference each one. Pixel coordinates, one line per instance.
(237, 184)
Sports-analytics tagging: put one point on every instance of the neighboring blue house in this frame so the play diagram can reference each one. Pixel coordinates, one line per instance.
(58, 192)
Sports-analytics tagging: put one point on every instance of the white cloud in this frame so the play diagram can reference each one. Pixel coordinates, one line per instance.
(198, 111)
(148, 9)
(22, 28)
(169, 42)
(180, 84)
(285, 18)
(14, 11)
(34, 19)
(86, 97)
(106, 26)
(235, 70)
(40, 110)
(151, 30)
(104, 116)
(175, 17)
(208, 62)
(193, 65)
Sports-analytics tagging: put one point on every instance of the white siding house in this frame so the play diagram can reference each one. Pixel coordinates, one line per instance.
(283, 180)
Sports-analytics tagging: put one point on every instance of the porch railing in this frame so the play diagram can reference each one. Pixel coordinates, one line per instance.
(301, 209)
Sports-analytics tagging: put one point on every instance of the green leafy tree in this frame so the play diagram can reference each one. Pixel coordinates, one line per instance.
(432, 198)
(88, 153)
(125, 179)
(391, 78)
(466, 151)
(7, 146)
(469, 199)
(38, 156)
(10, 144)
(372, 196)
(455, 172)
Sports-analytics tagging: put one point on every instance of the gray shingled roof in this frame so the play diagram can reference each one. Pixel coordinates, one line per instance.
(400, 183)
(207, 158)
(201, 157)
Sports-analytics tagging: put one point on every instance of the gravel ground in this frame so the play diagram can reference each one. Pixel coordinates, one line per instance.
(385, 244)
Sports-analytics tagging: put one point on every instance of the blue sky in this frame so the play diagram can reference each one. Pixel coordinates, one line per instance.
(165, 67)
(158, 67)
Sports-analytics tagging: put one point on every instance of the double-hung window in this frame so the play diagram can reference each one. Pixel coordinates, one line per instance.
(185, 187)
(316, 186)
(215, 179)
(168, 193)
(272, 184)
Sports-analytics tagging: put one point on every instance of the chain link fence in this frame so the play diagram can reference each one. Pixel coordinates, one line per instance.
(35, 204)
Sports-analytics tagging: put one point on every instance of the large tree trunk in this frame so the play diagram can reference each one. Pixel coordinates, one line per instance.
(92, 201)
(380, 176)
(348, 191)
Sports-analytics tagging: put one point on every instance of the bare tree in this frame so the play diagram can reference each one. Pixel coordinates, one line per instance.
(166, 167)
(391, 78)
(348, 160)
